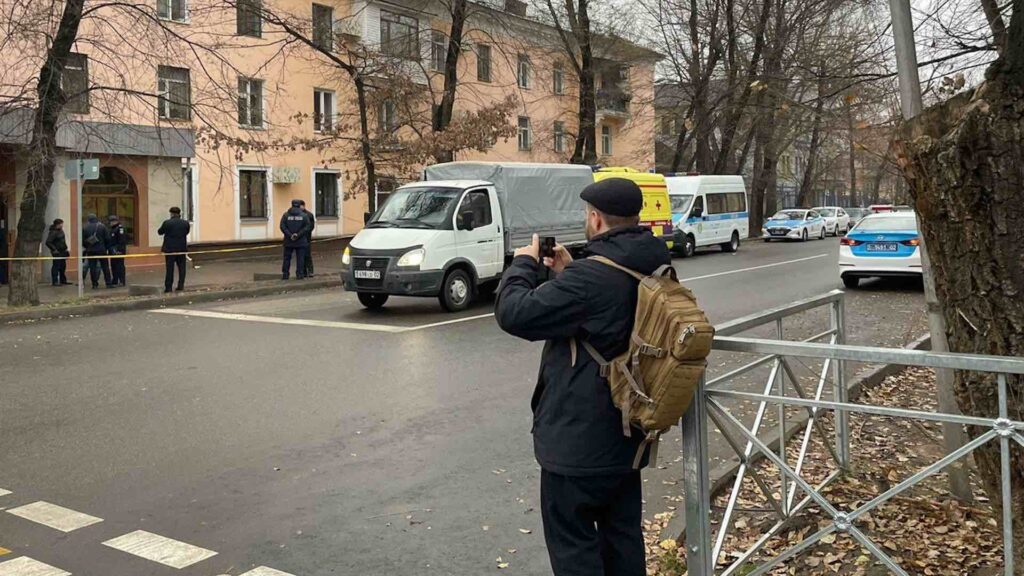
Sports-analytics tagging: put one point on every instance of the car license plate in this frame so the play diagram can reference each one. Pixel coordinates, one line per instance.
(778, 232)
(883, 247)
(368, 274)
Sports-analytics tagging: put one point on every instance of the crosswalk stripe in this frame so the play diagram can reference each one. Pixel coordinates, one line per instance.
(53, 516)
(159, 549)
(25, 566)
(264, 571)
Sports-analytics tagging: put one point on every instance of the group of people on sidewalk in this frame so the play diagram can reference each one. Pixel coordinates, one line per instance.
(104, 248)
(297, 225)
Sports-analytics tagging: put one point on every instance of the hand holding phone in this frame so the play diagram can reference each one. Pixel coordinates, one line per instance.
(547, 247)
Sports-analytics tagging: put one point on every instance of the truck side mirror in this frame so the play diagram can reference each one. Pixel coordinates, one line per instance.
(466, 220)
(366, 217)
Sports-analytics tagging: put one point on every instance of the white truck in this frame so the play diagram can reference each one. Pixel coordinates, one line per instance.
(452, 234)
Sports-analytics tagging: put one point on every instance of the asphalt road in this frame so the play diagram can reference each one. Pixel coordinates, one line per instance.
(306, 435)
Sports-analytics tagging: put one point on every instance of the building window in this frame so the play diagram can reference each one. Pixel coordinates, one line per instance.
(247, 18)
(75, 83)
(559, 133)
(558, 80)
(252, 193)
(525, 137)
(326, 197)
(250, 102)
(523, 71)
(399, 36)
(606, 140)
(176, 10)
(483, 62)
(323, 27)
(667, 126)
(387, 120)
(323, 111)
(385, 186)
(438, 50)
(174, 93)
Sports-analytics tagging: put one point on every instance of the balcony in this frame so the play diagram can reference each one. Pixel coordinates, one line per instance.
(613, 103)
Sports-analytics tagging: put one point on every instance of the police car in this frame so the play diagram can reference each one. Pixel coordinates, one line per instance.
(795, 224)
(881, 245)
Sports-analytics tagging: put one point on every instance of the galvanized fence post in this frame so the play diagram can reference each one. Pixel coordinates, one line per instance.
(697, 487)
(842, 418)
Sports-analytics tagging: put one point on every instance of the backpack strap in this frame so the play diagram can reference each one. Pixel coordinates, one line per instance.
(605, 366)
(617, 266)
(652, 439)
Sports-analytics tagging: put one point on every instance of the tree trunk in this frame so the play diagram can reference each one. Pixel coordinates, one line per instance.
(585, 151)
(42, 155)
(807, 183)
(962, 160)
(850, 133)
(365, 148)
(443, 116)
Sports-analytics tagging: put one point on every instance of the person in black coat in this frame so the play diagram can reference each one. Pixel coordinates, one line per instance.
(296, 227)
(309, 252)
(590, 494)
(117, 245)
(57, 244)
(175, 232)
(95, 238)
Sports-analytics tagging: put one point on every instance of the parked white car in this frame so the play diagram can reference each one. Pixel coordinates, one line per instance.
(794, 224)
(837, 221)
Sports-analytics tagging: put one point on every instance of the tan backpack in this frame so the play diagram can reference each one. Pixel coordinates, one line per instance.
(654, 381)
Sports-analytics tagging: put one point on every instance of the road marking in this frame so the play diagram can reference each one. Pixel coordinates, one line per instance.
(4, 492)
(26, 566)
(264, 571)
(4, 551)
(448, 322)
(752, 268)
(276, 320)
(53, 516)
(159, 549)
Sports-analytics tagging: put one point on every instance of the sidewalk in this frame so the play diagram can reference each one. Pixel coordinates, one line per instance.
(208, 280)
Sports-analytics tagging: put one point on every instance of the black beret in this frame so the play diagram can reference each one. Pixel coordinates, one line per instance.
(615, 196)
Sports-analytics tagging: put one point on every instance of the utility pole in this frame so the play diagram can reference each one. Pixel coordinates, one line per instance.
(910, 102)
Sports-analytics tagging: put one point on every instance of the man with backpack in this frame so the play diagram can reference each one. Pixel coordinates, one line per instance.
(591, 498)
(94, 241)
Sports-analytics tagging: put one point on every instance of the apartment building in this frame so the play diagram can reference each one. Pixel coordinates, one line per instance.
(217, 110)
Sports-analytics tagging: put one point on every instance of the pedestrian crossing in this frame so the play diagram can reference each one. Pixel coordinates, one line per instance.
(139, 543)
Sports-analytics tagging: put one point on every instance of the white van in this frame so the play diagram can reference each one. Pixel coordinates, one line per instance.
(708, 211)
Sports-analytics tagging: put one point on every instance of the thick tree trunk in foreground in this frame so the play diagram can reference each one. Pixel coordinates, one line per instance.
(963, 162)
(42, 155)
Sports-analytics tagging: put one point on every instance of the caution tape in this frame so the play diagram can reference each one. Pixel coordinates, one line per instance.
(152, 254)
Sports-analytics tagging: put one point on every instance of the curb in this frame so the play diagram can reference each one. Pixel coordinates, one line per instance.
(178, 299)
(722, 477)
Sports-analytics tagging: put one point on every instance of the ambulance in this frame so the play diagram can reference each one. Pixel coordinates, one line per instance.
(657, 210)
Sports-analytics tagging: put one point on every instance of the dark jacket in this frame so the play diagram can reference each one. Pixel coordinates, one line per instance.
(57, 242)
(296, 222)
(95, 230)
(118, 240)
(175, 232)
(312, 222)
(577, 431)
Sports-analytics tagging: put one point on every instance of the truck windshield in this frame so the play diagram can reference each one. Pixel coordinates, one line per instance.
(418, 207)
(681, 203)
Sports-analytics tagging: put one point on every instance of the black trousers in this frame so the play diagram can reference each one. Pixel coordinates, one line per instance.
(309, 262)
(592, 524)
(94, 266)
(59, 272)
(170, 262)
(117, 271)
(300, 261)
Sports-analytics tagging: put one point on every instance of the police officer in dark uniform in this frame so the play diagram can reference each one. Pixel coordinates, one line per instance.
(117, 245)
(309, 252)
(296, 227)
(590, 495)
(95, 238)
(175, 231)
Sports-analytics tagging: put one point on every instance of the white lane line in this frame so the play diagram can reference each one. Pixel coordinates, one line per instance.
(264, 571)
(25, 566)
(752, 268)
(53, 516)
(276, 320)
(448, 322)
(4, 492)
(160, 549)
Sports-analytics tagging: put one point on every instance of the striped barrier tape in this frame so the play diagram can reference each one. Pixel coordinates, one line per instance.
(152, 254)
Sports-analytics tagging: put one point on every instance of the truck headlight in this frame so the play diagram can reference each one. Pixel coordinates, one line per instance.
(346, 257)
(412, 258)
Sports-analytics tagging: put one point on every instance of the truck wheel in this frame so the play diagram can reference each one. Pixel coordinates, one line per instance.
(372, 301)
(733, 244)
(456, 291)
(689, 247)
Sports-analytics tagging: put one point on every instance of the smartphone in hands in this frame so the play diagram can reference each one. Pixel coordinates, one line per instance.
(547, 247)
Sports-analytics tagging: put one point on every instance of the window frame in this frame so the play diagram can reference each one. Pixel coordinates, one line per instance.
(321, 28)
(558, 131)
(165, 105)
(248, 93)
(77, 63)
(438, 50)
(484, 64)
(524, 135)
(386, 113)
(717, 203)
(249, 22)
(469, 198)
(245, 209)
(524, 72)
(324, 121)
(411, 39)
(318, 206)
(606, 140)
(558, 80)
(169, 14)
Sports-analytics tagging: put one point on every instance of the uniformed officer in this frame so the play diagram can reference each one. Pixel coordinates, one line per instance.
(117, 245)
(590, 495)
(296, 226)
(309, 252)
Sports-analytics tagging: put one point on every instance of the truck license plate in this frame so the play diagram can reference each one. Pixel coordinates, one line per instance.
(368, 274)
(882, 247)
